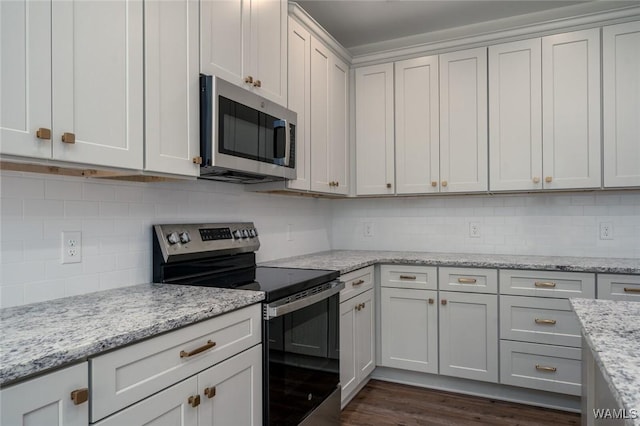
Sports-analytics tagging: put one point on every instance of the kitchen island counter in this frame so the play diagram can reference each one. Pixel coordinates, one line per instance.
(42, 336)
(611, 330)
(350, 260)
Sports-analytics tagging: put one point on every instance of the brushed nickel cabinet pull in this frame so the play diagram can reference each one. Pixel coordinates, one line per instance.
(548, 179)
(194, 401)
(69, 137)
(443, 302)
(631, 290)
(356, 283)
(467, 280)
(197, 160)
(248, 79)
(43, 133)
(547, 369)
(407, 277)
(208, 345)
(431, 301)
(80, 396)
(545, 321)
(545, 284)
(210, 392)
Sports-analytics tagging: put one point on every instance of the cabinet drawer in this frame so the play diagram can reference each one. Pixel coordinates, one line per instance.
(469, 280)
(547, 284)
(542, 367)
(619, 287)
(539, 320)
(405, 276)
(127, 375)
(356, 282)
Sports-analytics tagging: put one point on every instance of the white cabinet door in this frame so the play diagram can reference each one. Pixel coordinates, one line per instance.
(46, 400)
(621, 91)
(25, 78)
(571, 110)
(172, 87)
(339, 125)
(269, 49)
(374, 130)
(469, 335)
(463, 121)
(348, 363)
(417, 160)
(175, 406)
(97, 74)
(320, 155)
(365, 334)
(225, 32)
(409, 329)
(515, 116)
(299, 100)
(231, 391)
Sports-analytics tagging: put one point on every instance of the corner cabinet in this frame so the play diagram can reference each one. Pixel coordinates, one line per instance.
(621, 68)
(171, 39)
(463, 121)
(245, 43)
(357, 332)
(48, 399)
(374, 130)
(72, 81)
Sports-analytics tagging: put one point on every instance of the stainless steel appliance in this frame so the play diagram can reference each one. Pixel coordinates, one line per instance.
(301, 362)
(243, 137)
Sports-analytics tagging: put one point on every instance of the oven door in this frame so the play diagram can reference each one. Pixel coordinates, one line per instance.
(302, 361)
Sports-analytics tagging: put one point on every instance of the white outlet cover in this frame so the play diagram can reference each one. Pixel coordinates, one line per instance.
(474, 229)
(71, 247)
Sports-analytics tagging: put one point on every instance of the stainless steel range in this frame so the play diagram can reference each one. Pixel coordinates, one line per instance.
(301, 370)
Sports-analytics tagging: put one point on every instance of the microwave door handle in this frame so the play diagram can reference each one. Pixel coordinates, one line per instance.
(287, 143)
(206, 119)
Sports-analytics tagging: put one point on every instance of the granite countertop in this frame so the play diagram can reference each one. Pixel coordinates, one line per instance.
(41, 336)
(612, 331)
(350, 260)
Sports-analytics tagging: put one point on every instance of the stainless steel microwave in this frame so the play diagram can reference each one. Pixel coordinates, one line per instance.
(244, 137)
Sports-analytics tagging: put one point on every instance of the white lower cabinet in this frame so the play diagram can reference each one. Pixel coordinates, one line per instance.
(619, 287)
(469, 335)
(357, 332)
(409, 329)
(48, 400)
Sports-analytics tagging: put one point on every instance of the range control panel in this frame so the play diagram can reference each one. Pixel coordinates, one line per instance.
(212, 238)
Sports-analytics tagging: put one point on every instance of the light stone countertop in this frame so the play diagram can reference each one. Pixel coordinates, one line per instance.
(350, 260)
(41, 336)
(612, 332)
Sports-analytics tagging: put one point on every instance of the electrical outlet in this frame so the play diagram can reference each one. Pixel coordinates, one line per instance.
(474, 229)
(606, 231)
(368, 229)
(71, 247)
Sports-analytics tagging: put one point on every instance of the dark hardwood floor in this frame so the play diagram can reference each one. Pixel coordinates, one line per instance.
(390, 404)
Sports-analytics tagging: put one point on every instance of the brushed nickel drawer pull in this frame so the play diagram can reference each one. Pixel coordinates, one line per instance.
(546, 284)
(80, 396)
(194, 401)
(467, 280)
(545, 321)
(208, 345)
(631, 290)
(357, 283)
(407, 277)
(210, 392)
(547, 369)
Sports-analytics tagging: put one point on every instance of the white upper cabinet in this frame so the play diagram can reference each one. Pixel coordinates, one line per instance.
(339, 126)
(172, 138)
(621, 80)
(85, 94)
(245, 43)
(320, 74)
(463, 121)
(515, 116)
(571, 110)
(417, 126)
(374, 130)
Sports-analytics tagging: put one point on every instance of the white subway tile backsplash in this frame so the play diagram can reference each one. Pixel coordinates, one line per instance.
(44, 290)
(12, 295)
(114, 209)
(73, 209)
(15, 186)
(83, 284)
(22, 272)
(10, 207)
(43, 208)
(63, 190)
(98, 191)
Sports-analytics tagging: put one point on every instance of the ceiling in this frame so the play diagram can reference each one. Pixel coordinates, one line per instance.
(361, 22)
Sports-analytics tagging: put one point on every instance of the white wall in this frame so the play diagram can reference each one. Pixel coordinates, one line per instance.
(559, 224)
(115, 218)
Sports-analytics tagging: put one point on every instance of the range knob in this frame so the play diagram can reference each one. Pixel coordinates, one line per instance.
(173, 238)
(185, 237)
(236, 234)
(245, 233)
(252, 232)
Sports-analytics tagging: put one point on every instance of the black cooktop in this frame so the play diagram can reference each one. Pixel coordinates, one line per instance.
(282, 282)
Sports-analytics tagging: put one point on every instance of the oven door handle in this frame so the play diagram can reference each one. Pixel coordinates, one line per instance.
(278, 309)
